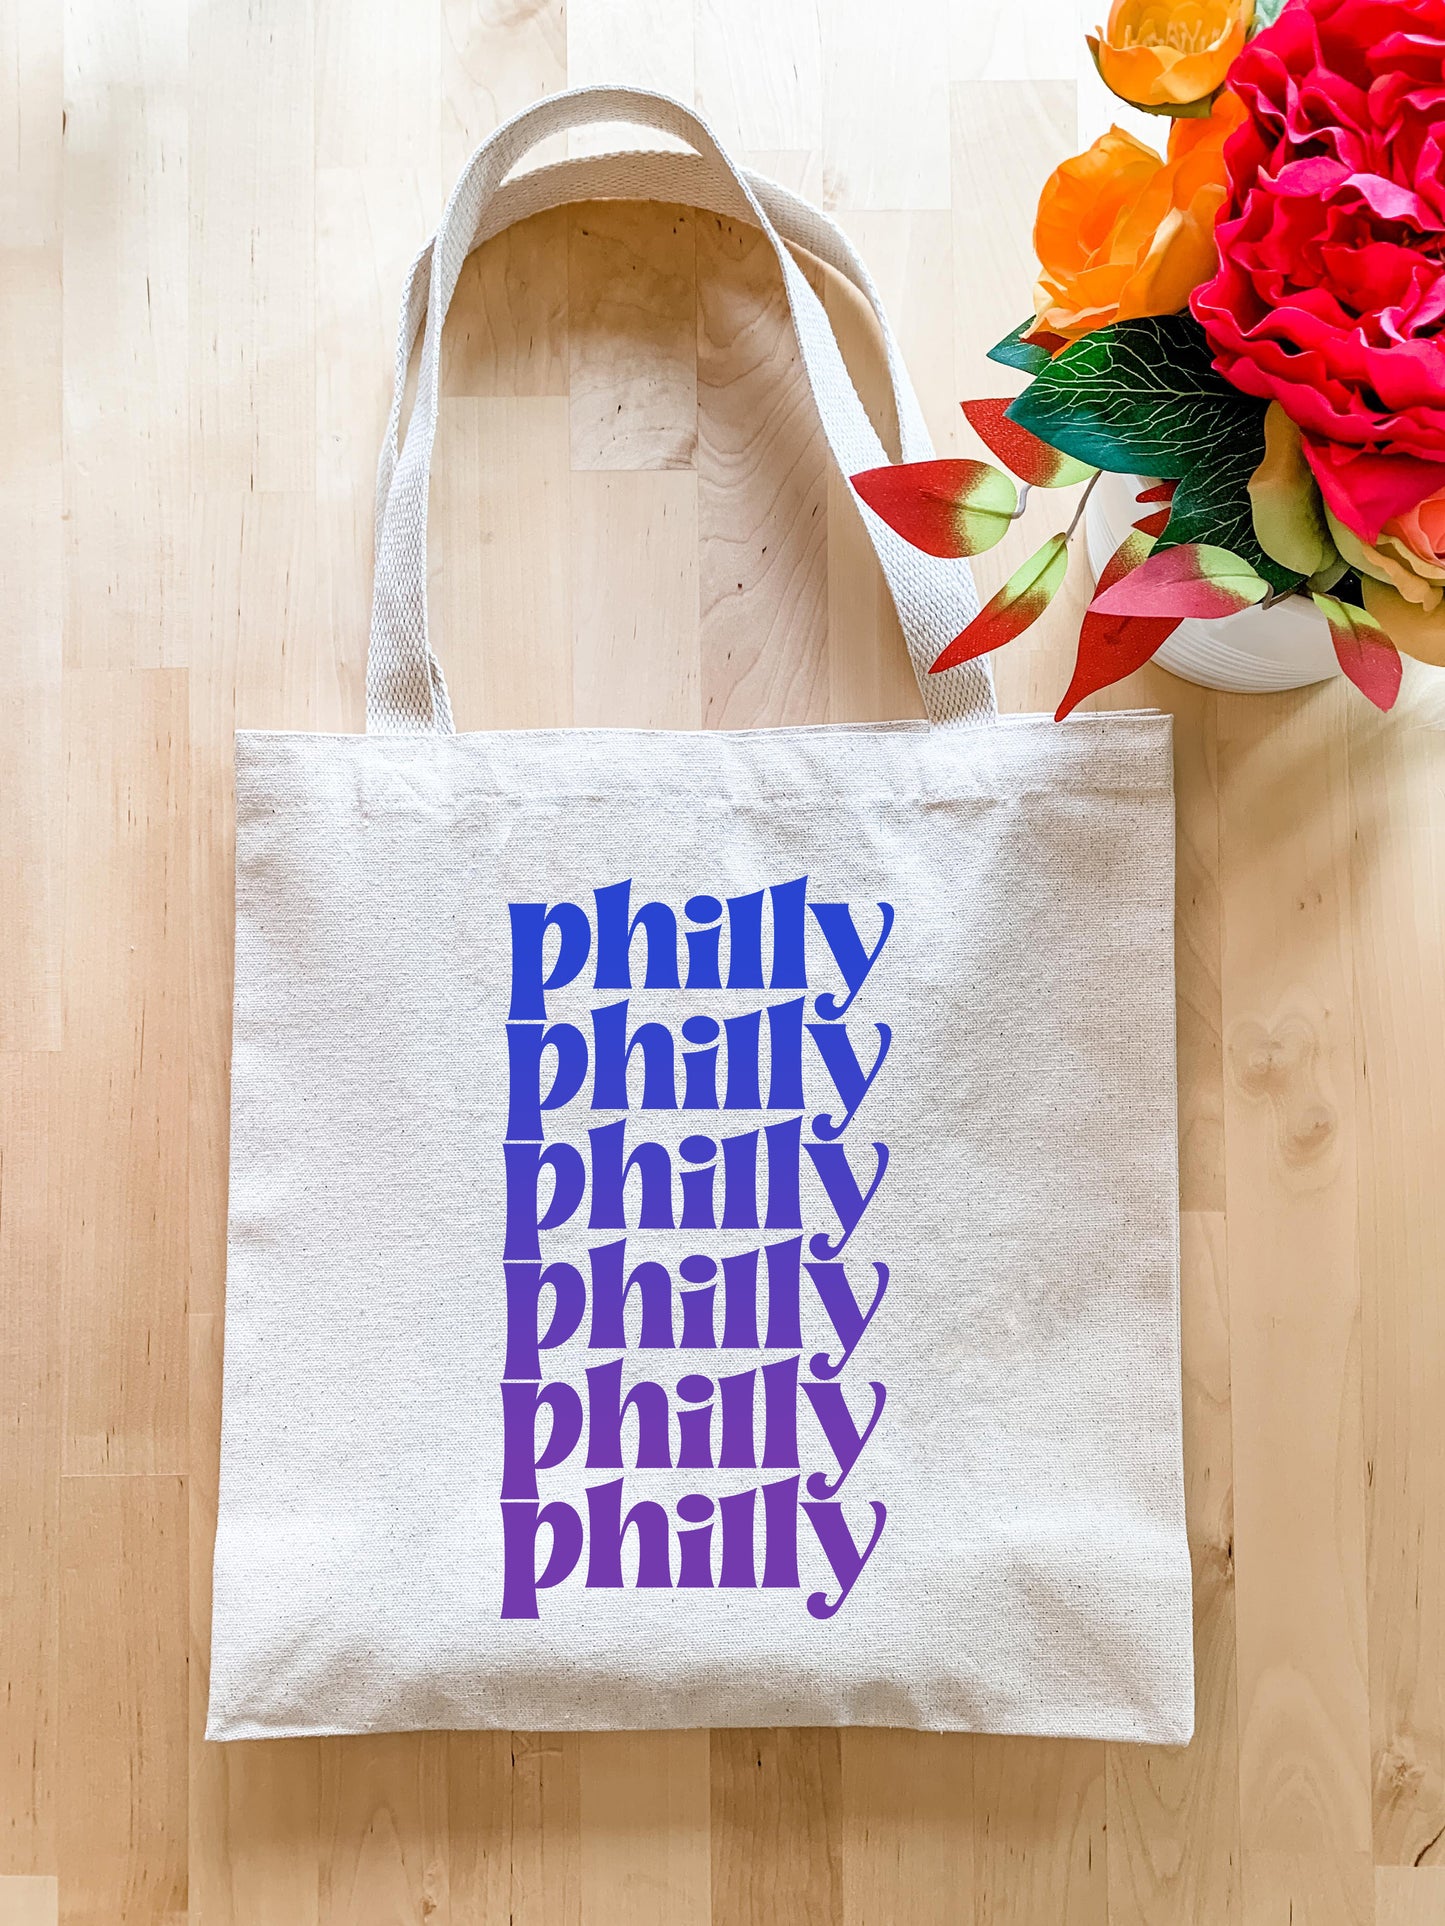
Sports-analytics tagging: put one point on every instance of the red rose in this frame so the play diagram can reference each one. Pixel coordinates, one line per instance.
(1330, 293)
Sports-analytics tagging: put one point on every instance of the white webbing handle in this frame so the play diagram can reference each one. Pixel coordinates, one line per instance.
(406, 692)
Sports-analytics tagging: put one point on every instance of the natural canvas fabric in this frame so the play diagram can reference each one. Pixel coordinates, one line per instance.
(703, 1233)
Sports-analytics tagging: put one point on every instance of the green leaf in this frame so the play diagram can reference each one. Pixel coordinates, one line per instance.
(1014, 352)
(1324, 579)
(1284, 497)
(1142, 398)
(1266, 12)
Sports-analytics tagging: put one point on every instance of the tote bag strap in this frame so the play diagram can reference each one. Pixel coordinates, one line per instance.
(406, 691)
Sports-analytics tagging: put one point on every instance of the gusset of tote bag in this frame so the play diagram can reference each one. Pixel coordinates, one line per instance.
(703, 1215)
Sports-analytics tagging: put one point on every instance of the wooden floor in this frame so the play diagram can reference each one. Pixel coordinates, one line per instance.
(204, 218)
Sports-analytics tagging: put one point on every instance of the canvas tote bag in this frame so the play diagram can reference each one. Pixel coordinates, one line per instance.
(703, 1232)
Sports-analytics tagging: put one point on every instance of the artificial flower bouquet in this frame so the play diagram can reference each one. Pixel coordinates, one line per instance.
(1254, 322)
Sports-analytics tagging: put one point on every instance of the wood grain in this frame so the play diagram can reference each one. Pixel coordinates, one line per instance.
(29, 1899)
(205, 216)
(1291, 1188)
(31, 1384)
(762, 493)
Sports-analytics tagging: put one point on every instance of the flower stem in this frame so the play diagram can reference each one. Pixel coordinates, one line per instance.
(1083, 503)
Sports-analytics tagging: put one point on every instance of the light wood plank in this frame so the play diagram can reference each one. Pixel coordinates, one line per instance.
(31, 523)
(894, 79)
(501, 600)
(30, 1441)
(907, 1843)
(205, 215)
(32, 93)
(631, 43)
(496, 60)
(910, 259)
(762, 493)
(252, 174)
(1007, 137)
(546, 1843)
(377, 75)
(31, 867)
(122, 1112)
(759, 66)
(507, 333)
(368, 224)
(1290, 1152)
(1407, 1897)
(1197, 930)
(384, 1815)
(121, 1794)
(777, 1827)
(635, 656)
(1397, 860)
(254, 1809)
(29, 1899)
(32, 86)
(479, 1824)
(1037, 42)
(1174, 1812)
(645, 1843)
(632, 328)
(1308, 1888)
(1039, 1832)
(125, 255)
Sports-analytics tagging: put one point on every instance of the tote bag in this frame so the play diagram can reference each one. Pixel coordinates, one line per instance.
(703, 1224)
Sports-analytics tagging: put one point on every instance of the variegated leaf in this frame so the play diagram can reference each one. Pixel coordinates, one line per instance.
(947, 508)
(1020, 451)
(1113, 646)
(1364, 651)
(1020, 602)
(1195, 579)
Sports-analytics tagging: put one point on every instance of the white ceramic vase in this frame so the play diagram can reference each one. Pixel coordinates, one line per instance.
(1284, 647)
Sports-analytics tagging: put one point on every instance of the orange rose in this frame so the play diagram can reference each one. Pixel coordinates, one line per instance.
(1121, 233)
(1402, 576)
(1167, 54)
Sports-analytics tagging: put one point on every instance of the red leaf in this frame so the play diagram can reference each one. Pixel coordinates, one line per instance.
(1020, 450)
(1363, 650)
(1375, 669)
(1156, 523)
(1195, 579)
(947, 508)
(1160, 492)
(1113, 646)
(1019, 603)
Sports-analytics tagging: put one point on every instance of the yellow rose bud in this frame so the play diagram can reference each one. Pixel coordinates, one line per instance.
(1169, 55)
